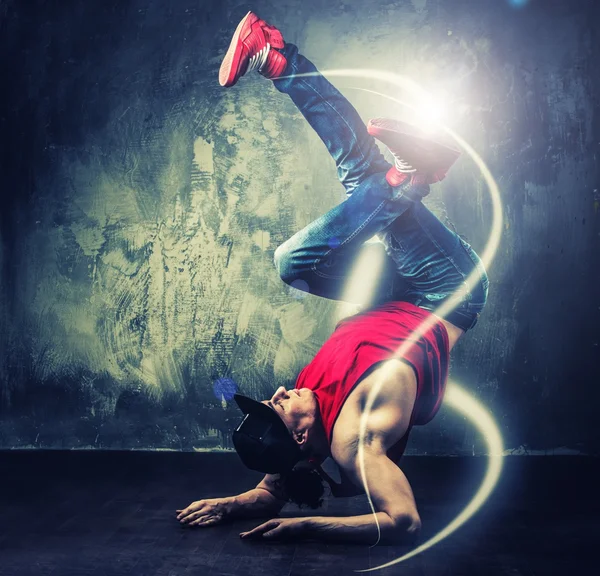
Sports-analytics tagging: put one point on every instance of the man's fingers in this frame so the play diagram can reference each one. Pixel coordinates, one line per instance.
(193, 516)
(205, 521)
(273, 533)
(184, 512)
(196, 517)
(193, 507)
(198, 521)
(189, 516)
(260, 530)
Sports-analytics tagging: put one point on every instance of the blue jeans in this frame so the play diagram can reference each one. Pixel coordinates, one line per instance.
(427, 261)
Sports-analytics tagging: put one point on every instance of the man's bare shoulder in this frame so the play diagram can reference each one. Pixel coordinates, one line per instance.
(389, 416)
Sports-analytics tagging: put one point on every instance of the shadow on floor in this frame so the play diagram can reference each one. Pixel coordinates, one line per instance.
(112, 513)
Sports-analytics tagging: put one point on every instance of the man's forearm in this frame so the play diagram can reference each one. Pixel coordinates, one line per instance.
(253, 504)
(362, 529)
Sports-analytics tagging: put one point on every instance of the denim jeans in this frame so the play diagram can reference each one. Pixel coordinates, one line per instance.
(427, 262)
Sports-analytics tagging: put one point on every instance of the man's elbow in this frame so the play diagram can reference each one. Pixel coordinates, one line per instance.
(407, 526)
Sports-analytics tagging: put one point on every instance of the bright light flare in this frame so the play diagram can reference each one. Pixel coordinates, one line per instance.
(479, 416)
(430, 112)
(465, 404)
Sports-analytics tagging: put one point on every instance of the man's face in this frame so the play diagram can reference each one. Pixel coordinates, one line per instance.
(292, 406)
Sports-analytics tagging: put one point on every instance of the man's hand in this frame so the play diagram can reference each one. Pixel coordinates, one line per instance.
(206, 512)
(259, 501)
(278, 529)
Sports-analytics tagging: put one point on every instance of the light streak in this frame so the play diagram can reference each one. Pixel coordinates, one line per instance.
(442, 311)
(464, 403)
(458, 398)
(360, 288)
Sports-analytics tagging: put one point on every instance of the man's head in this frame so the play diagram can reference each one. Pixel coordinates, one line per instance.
(276, 434)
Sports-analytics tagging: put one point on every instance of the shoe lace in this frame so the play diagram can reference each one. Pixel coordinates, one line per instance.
(403, 166)
(259, 59)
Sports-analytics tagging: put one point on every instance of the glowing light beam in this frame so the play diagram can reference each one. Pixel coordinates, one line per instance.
(464, 403)
(442, 311)
(362, 283)
(482, 419)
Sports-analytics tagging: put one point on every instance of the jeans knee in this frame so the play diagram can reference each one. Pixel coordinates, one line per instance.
(282, 259)
(479, 286)
(484, 284)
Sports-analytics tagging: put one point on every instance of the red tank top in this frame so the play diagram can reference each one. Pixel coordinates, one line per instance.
(362, 341)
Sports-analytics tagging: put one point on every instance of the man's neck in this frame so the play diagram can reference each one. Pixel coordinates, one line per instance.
(319, 444)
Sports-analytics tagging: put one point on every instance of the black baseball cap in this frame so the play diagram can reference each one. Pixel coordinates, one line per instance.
(262, 440)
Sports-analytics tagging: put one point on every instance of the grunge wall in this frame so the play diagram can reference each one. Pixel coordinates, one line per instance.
(142, 203)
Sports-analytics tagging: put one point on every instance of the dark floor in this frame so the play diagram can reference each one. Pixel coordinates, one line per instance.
(108, 513)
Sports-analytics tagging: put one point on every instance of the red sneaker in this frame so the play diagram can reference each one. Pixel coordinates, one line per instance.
(416, 155)
(251, 48)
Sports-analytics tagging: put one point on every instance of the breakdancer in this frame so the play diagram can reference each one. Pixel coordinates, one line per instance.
(312, 432)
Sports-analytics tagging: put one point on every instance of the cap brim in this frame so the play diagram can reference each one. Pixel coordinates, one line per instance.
(251, 406)
(262, 440)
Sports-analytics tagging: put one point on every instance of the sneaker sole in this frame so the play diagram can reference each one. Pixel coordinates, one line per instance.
(228, 73)
(398, 135)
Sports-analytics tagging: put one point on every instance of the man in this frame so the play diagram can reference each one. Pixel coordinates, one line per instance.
(320, 418)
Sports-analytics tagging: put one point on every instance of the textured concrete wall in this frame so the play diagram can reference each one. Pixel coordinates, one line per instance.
(142, 205)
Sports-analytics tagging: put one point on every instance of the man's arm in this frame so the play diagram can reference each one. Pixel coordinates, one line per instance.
(388, 421)
(264, 500)
(395, 508)
(391, 495)
(396, 511)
